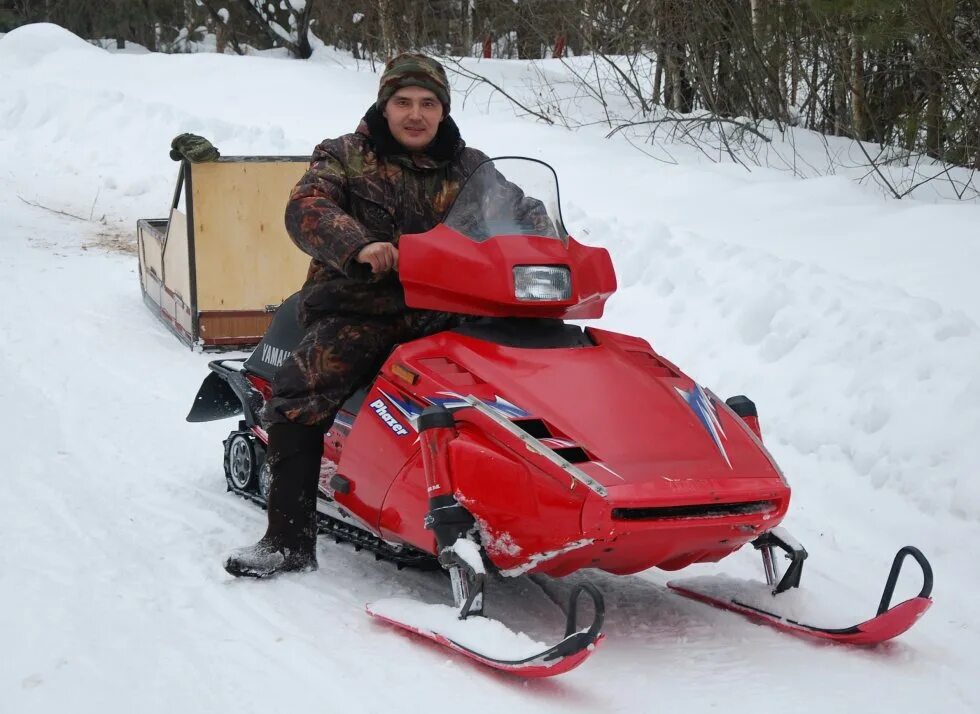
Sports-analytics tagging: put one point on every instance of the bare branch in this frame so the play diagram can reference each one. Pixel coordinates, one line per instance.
(52, 210)
(454, 65)
(691, 120)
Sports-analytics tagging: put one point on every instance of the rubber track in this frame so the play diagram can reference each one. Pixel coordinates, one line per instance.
(343, 532)
(404, 558)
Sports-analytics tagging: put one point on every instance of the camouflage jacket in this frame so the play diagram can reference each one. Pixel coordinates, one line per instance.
(362, 188)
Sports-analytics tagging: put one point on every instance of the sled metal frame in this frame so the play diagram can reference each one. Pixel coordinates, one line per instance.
(766, 543)
(896, 569)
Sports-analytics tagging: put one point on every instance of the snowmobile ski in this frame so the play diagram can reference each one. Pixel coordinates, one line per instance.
(889, 622)
(491, 643)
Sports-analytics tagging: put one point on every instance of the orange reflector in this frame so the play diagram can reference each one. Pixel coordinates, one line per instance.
(404, 373)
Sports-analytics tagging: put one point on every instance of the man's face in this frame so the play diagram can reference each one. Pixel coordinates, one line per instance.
(413, 115)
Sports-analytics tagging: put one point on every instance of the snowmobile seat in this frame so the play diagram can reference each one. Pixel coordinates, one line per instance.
(278, 343)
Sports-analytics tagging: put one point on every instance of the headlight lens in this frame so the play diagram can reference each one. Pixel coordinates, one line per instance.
(542, 282)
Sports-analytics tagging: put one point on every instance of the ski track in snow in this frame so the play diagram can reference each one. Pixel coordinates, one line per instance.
(114, 516)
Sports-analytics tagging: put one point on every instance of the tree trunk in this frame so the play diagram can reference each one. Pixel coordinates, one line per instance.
(722, 98)
(840, 86)
(814, 89)
(780, 53)
(304, 50)
(220, 38)
(976, 131)
(658, 76)
(527, 43)
(189, 23)
(934, 114)
(467, 28)
(121, 28)
(681, 91)
(795, 67)
(939, 63)
(859, 105)
(387, 31)
(672, 88)
(757, 6)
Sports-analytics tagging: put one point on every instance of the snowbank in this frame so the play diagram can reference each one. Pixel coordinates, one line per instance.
(30, 45)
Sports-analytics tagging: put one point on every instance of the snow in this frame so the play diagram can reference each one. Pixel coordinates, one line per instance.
(481, 634)
(786, 537)
(849, 318)
(28, 46)
(469, 553)
(535, 559)
(494, 542)
(798, 604)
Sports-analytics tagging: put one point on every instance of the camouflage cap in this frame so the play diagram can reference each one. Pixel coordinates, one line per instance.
(194, 148)
(413, 70)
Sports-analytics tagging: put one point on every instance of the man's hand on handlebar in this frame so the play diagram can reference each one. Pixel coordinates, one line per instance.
(382, 257)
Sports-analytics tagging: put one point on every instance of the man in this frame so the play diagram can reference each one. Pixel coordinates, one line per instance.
(398, 173)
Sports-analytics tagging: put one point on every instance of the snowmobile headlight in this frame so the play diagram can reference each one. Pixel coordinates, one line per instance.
(542, 282)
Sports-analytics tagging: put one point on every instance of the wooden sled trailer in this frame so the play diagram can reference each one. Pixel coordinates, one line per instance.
(220, 265)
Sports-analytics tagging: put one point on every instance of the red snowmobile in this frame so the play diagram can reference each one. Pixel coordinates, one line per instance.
(524, 444)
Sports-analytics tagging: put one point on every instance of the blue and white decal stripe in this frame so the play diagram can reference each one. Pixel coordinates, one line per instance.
(451, 400)
(409, 410)
(704, 410)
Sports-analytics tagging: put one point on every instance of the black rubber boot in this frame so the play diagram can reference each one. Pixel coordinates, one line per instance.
(289, 543)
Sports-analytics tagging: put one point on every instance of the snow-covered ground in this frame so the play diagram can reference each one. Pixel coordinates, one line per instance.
(852, 320)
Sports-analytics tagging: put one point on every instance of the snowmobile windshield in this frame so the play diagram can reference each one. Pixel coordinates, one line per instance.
(509, 195)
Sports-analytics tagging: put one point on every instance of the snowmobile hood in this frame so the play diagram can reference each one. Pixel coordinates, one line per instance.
(625, 416)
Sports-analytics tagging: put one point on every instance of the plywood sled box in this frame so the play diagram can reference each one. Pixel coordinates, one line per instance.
(216, 271)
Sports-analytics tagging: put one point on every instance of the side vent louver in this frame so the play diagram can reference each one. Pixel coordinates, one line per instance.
(449, 371)
(535, 427)
(654, 364)
(568, 450)
(573, 454)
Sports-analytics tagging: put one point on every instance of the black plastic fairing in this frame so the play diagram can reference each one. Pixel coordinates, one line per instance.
(708, 510)
(225, 393)
(279, 341)
(525, 332)
(743, 406)
(215, 400)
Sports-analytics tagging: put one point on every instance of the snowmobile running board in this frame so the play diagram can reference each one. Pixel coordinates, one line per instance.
(570, 652)
(888, 623)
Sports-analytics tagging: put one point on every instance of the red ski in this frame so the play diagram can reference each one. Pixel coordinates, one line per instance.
(889, 622)
(490, 643)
